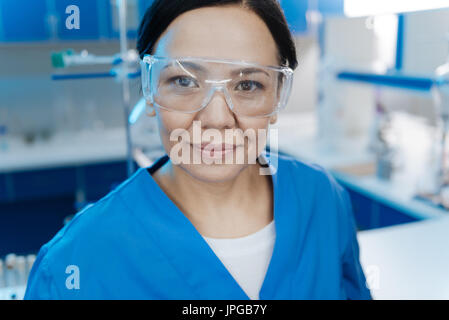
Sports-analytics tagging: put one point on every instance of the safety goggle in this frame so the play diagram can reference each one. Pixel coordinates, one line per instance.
(188, 84)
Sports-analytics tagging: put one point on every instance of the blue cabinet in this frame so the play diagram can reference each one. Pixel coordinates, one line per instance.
(3, 188)
(96, 180)
(362, 208)
(24, 20)
(26, 225)
(34, 204)
(100, 179)
(391, 216)
(370, 213)
(43, 183)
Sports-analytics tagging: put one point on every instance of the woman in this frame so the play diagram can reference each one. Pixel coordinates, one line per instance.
(206, 221)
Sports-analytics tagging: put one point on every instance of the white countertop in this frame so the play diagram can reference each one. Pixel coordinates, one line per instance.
(408, 261)
(12, 293)
(65, 150)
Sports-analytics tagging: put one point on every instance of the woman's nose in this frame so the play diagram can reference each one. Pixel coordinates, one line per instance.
(218, 112)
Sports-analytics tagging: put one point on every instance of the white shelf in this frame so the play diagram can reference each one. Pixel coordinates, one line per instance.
(65, 150)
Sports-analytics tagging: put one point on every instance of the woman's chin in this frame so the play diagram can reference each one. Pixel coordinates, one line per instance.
(214, 172)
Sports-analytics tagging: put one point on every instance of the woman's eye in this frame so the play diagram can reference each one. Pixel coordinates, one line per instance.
(184, 82)
(249, 85)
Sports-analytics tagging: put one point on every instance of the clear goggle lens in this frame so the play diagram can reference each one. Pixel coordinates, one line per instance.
(187, 85)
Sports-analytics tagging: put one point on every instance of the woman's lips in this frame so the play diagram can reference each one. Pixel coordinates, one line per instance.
(217, 147)
(215, 150)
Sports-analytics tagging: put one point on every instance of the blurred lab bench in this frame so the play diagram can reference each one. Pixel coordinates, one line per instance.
(44, 183)
(376, 203)
(65, 164)
(64, 149)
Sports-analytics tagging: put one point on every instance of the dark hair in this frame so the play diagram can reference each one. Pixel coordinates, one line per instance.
(162, 12)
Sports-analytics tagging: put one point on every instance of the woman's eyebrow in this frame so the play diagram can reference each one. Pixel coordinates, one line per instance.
(248, 71)
(186, 64)
(197, 67)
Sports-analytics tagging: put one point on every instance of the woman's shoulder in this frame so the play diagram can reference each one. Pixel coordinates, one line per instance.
(92, 239)
(312, 184)
(303, 171)
(95, 224)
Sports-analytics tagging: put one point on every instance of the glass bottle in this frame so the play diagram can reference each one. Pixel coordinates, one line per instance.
(441, 99)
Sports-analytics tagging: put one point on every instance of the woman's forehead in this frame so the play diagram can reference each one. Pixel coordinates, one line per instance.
(215, 68)
(220, 32)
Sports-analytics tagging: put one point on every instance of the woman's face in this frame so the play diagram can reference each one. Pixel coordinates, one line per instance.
(222, 33)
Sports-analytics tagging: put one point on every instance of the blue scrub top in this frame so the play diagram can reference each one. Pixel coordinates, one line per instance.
(135, 243)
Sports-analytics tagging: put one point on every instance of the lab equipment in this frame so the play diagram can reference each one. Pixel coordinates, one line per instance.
(2, 276)
(21, 276)
(379, 144)
(167, 258)
(188, 84)
(441, 96)
(127, 68)
(10, 276)
(330, 109)
(67, 58)
(14, 272)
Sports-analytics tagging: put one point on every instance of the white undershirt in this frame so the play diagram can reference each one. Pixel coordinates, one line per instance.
(247, 258)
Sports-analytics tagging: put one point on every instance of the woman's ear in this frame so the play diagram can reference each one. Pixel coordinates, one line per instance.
(151, 112)
(274, 119)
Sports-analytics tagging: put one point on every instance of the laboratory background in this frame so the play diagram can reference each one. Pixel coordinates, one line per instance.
(370, 103)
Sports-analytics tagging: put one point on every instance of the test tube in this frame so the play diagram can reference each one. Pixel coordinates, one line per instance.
(2, 282)
(2, 275)
(21, 275)
(10, 272)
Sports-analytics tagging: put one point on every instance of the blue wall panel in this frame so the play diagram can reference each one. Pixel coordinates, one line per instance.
(89, 19)
(143, 6)
(295, 13)
(24, 20)
(331, 7)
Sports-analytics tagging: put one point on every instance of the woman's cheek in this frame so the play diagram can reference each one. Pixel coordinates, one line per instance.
(256, 131)
(171, 124)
